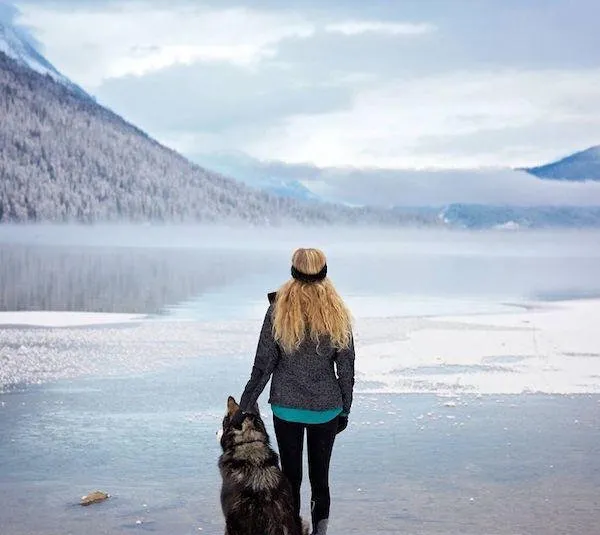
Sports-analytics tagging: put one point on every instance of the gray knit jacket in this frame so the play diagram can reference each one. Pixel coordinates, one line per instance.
(305, 379)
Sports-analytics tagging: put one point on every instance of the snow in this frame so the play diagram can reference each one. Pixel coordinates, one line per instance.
(15, 45)
(65, 319)
(538, 347)
(509, 225)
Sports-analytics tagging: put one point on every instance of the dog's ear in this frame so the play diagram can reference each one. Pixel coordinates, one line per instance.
(232, 406)
(255, 408)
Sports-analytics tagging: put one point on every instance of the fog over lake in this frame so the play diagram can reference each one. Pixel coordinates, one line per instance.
(149, 269)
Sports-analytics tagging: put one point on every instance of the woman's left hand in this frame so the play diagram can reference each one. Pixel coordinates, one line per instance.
(342, 423)
(237, 419)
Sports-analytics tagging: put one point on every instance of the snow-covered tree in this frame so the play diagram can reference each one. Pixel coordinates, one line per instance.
(63, 157)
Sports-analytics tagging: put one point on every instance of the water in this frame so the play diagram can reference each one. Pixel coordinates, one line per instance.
(133, 410)
(406, 464)
(200, 274)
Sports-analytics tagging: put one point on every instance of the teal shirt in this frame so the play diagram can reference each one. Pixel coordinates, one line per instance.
(305, 416)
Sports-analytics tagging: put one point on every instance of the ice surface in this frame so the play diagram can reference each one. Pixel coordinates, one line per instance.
(64, 319)
(433, 315)
(541, 347)
(442, 313)
(531, 463)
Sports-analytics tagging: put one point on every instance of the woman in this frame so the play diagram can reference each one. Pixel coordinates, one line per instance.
(306, 337)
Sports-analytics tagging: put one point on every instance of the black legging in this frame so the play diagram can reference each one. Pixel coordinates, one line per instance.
(320, 438)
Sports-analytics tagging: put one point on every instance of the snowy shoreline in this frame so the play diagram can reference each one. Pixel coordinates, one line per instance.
(537, 347)
(541, 347)
(64, 319)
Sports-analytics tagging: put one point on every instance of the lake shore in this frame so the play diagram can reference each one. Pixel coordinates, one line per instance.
(469, 424)
(545, 347)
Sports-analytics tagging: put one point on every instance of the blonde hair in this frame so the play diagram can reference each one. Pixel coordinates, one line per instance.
(313, 308)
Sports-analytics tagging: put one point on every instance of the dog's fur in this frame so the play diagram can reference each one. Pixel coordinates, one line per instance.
(255, 496)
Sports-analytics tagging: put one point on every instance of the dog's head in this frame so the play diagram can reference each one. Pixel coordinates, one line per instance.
(252, 427)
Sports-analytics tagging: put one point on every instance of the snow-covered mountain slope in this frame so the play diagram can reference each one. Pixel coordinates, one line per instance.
(584, 165)
(16, 44)
(63, 157)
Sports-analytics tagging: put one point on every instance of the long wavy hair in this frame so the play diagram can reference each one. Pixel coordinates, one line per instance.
(313, 309)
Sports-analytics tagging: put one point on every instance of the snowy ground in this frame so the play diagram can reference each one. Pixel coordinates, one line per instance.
(64, 319)
(538, 347)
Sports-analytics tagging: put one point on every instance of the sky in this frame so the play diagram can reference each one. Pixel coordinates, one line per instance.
(338, 84)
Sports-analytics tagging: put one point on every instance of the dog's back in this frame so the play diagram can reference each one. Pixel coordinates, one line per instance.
(255, 496)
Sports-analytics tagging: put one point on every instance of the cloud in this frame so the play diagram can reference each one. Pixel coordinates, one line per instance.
(351, 27)
(442, 187)
(7, 13)
(158, 58)
(206, 100)
(402, 123)
(468, 84)
(92, 45)
(411, 188)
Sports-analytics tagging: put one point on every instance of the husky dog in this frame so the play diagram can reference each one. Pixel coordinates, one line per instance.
(256, 497)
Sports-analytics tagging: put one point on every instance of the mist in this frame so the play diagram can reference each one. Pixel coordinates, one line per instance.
(148, 268)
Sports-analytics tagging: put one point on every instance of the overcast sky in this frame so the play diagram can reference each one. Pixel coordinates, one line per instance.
(378, 83)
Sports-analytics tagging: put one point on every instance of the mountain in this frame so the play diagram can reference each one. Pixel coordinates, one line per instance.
(63, 157)
(17, 45)
(264, 176)
(464, 198)
(476, 216)
(584, 165)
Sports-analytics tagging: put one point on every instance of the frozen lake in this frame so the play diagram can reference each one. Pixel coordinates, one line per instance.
(452, 330)
(414, 463)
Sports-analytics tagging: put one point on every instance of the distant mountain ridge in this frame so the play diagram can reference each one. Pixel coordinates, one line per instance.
(475, 216)
(325, 183)
(257, 174)
(583, 165)
(63, 157)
